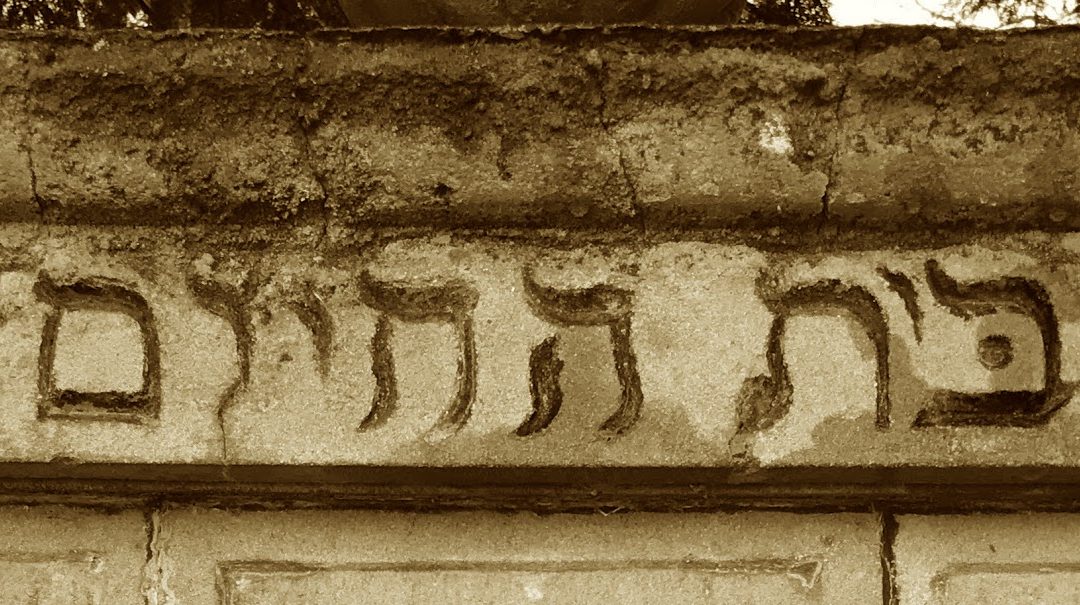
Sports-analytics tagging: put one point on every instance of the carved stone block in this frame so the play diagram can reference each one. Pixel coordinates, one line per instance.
(988, 559)
(344, 557)
(427, 351)
(51, 555)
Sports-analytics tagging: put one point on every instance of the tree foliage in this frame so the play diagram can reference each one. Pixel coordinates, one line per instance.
(788, 12)
(309, 14)
(1009, 12)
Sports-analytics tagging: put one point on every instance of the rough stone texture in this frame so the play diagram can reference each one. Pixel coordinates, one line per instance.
(478, 351)
(194, 346)
(344, 557)
(313, 14)
(988, 559)
(937, 132)
(632, 127)
(98, 351)
(51, 555)
(16, 178)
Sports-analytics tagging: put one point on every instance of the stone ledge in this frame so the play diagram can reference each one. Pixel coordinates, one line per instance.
(879, 128)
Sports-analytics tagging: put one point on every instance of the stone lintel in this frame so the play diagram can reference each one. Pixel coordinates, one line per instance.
(819, 130)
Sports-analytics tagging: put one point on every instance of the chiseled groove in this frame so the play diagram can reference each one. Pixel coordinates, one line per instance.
(452, 302)
(384, 400)
(1000, 408)
(807, 572)
(544, 370)
(317, 319)
(228, 303)
(764, 400)
(104, 294)
(631, 398)
(598, 305)
(902, 285)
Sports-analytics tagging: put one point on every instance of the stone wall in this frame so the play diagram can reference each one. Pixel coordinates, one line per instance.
(564, 315)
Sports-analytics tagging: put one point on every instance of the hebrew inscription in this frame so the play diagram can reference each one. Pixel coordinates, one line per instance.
(597, 305)
(452, 303)
(101, 295)
(1007, 407)
(421, 350)
(766, 399)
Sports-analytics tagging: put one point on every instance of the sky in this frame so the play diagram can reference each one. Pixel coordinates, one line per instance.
(906, 12)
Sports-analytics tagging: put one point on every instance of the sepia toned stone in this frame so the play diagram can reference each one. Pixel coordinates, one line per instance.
(991, 559)
(142, 385)
(654, 129)
(99, 351)
(906, 155)
(50, 555)
(16, 176)
(464, 352)
(378, 557)
(168, 153)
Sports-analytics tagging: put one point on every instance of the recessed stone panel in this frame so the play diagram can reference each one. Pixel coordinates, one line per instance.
(1013, 559)
(340, 557)
(62, 556)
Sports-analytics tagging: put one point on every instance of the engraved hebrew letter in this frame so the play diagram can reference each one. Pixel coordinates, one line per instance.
(1016, 408)
(452, 302)
(97, 294)
(312, 312)
(600, 305)
(766, 399)
(230, 303)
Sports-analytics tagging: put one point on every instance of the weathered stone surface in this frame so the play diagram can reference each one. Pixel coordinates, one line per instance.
(344, 557)
(16, 178)
(935, 131)
(144, 131)
(51, 555)
(629, 127)
(153, 400)
(988, 559)
(453, 351)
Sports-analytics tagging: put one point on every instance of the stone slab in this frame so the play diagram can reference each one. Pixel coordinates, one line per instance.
(988, 559)
(481, 352)
(637, 128)
(51, 555)
(216, 557)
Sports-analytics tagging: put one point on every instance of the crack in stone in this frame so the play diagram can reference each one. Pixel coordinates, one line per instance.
(826, 196)
(890, 594)
(41, 208)
(624, 167)
(156, 570)
(230, 304)
(838, 114)
(219, 415)
(27, 146)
